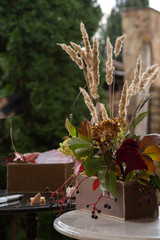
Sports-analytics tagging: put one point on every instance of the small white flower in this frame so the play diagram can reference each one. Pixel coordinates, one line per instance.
(69, 192)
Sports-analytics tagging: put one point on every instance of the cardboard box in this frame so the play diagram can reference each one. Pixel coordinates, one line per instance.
(27, 178)
(131, 202)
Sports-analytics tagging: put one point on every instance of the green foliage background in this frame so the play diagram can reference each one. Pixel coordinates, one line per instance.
(31, 62)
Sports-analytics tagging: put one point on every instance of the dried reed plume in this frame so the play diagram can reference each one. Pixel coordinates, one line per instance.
(90, 105)
(73, 55)
(133, 88)
(92, 86)
(145, 77)
(86, 44)
(137, 74)
(118, 45)
(79, 50)
(95, 68)
(152, 79)
(109, 63)
(104, 112)
(122, 103)
(88, 61)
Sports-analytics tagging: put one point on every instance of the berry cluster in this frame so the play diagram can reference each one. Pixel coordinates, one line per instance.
(95, 209)
(59, 198)
(145, 196)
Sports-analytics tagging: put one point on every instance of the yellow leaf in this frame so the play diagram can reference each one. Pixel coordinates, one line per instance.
(153, 152)
(149, 162)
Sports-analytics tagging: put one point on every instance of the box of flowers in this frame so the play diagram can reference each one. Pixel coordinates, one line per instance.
(115, 169)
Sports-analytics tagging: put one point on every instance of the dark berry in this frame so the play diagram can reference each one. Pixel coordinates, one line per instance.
(99, 211)
(93, 212)
(77, 191)
(95, 217)
(105, 205)
(70, 185)
(47, 188)
(65, 200)
(109, 207)
(92, 216)
(87, 206)
(115, 199)
(142, 190)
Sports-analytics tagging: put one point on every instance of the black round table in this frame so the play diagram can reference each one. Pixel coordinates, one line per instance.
(23, 206)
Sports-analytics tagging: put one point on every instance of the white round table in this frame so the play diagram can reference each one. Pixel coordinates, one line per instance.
(79, 225)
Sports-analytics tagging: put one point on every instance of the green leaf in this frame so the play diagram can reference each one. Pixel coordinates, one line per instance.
(156, 181)
(108, 181)
(130, 176)
(142, 181)
(143, 101)
(80, 147)
(138, 120)
(133, 136)
(111, 182)
(77, 142)
(71, 129)
(82, 152)
(93, 164)
(101, 177)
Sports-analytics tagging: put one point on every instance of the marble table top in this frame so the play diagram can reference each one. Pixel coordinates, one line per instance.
(79, 225)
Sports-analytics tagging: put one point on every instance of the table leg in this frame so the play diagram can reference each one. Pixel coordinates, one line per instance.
(31, 226)
(13, 227)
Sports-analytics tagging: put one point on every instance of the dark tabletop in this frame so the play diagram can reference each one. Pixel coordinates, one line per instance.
(24, 205)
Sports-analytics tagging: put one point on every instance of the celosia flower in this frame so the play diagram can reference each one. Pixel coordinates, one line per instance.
(128, 153)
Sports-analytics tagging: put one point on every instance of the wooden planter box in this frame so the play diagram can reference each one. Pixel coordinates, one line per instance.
(130, 204)
(27, 178)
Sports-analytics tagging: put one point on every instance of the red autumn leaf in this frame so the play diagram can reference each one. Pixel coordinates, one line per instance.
(96, 184)
(85, 129)
(27, 157)
(78, 167)
(31, 157)
(148, 140)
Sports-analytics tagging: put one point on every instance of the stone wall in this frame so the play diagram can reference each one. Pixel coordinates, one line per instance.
(142, 27)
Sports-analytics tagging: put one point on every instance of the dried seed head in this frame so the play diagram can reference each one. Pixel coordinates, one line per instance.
(118, 45)
(109, 63)
(88, 50)
(145, 77)
(90, 105)
(73, 55)
(122, 103)
(104, 112)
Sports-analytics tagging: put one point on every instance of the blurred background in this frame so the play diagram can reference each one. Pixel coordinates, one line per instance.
(33, 64)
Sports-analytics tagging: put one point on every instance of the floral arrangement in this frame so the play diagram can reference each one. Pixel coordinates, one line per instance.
(104, 147)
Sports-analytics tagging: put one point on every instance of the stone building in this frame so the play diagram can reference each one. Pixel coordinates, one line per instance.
(142, 27)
